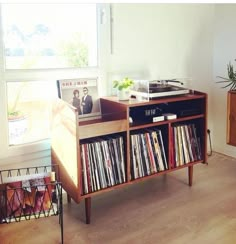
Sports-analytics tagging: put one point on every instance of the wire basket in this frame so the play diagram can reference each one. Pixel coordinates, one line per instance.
(30, 193)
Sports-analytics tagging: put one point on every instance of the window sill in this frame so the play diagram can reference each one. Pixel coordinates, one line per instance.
(27, 153)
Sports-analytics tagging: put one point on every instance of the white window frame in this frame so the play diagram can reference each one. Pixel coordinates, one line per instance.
(41, 150)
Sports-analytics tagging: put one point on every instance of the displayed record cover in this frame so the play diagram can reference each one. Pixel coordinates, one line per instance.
(82, 93)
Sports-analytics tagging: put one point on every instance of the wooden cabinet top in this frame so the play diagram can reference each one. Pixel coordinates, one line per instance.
(134, 102)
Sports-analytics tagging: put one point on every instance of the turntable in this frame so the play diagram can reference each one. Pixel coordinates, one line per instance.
(145, 90)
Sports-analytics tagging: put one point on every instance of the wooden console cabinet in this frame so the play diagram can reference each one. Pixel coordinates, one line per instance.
(97, 156)
(231, 118)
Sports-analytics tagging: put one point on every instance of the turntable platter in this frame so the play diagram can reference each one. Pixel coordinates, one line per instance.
(160, 89)
(154, 89)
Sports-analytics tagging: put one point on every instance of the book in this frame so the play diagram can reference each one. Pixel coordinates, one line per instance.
(171, 149)
(185, 145)
(121, 151)
(117, 160)
(133, 158)
(88, 168)
(197, 143)
(188, 143)
(100, 164)
(92, 172)
(145, 153)
(180, 146)
(139, 157)
(150, 153)
(176, 148)
(97, 173)
(158, 151)
(84, 170)
(107, 163)
(162, 148)
(104, 164)
(113, 161)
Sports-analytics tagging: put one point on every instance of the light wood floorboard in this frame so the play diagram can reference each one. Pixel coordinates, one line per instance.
(163, 210)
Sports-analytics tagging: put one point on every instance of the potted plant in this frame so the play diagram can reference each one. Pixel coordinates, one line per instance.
(123, 87)
(230, 80)
(17, 120)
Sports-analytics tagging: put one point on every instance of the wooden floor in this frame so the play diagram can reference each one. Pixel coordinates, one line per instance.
(161, 210)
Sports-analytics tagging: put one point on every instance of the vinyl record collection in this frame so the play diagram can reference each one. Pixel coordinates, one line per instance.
(186, 144)
(148, 153)
(103, 163)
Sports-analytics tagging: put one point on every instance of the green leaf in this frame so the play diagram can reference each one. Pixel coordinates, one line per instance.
(123, 84)
(231, 79)
(228, 85)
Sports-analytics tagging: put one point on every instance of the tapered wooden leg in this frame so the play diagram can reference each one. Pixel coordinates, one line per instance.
(68, 198)
(190, 175)
(88, 209)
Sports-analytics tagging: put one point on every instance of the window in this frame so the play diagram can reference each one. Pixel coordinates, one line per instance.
(29, 107)
(40, 44)
(46, 36)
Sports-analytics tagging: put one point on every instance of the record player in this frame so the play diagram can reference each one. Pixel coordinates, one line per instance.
(145, 90)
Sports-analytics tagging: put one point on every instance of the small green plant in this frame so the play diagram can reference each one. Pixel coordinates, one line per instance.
(231, 79)
(14, 115)
(14, 112)
(123, 84)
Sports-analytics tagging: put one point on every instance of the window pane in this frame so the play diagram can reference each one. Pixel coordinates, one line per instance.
(50, 35)
(29, 110)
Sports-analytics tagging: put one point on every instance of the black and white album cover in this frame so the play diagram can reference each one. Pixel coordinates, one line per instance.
(82, 93)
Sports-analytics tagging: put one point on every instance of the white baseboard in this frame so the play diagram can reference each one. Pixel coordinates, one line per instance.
(226, 149)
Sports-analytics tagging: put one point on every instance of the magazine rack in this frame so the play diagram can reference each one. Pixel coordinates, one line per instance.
(30, 193)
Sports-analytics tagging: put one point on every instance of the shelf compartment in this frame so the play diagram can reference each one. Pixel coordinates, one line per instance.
(148, 149)
(142, 125)
(92, 194)
(187, 142)
(165, 171)
(103, 163)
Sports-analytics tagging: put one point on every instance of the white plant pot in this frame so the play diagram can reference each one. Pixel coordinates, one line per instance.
(17, 129)
(123, 94)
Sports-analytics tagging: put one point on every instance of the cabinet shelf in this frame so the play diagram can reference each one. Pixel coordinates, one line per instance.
(165, 171)
(139, 179)
(195, 95)
(142, 125)
(105, 128)
(104, 190)
(97, 154)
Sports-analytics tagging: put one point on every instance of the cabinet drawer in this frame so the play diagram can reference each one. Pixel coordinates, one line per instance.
(231, 119)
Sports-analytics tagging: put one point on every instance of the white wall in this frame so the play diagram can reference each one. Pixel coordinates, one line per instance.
(224, 51)
(164, 40)
(156, 40)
